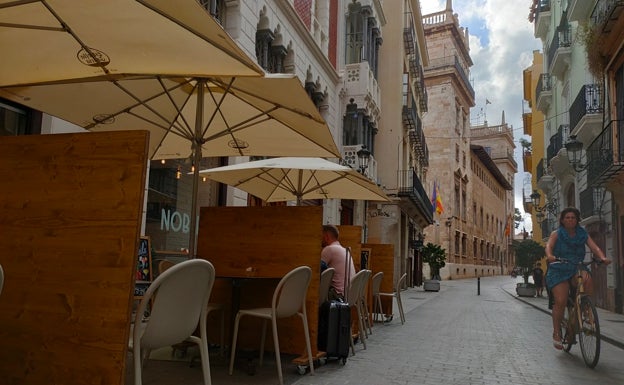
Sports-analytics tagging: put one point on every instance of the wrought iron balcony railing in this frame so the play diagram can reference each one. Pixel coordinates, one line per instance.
(605, 156)
(557, 141)
(588, 101)
(411, 188)
(543, 85)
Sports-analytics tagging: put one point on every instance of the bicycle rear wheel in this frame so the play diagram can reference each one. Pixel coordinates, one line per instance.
(589, 332)
(568, 330)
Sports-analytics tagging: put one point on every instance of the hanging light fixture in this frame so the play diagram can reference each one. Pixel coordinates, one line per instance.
(574, 150)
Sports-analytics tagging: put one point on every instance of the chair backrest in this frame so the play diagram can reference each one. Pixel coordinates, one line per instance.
(290, 294)
(326, 280)
(377, 278)
(356, 285)
(180, 295)
(401, 283)
(1, 278)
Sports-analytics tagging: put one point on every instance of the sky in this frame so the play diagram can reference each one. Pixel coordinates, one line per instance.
(501, 47)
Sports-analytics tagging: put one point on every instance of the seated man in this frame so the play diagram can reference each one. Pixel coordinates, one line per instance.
(334, 255)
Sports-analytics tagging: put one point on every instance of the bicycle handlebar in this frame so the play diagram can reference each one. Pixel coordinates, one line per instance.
(584, 263)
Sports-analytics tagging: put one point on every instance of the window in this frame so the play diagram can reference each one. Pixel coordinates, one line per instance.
(216, 9)
(363, 37)
(18, 120)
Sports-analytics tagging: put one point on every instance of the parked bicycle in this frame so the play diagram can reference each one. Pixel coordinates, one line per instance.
(581, 319)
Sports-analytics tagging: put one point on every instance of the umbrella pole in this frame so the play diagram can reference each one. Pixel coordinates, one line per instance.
(197, 156)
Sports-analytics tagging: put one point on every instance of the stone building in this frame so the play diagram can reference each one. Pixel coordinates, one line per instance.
(475, 193)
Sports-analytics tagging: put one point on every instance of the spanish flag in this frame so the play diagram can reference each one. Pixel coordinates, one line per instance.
(508, 226)
(436, 199)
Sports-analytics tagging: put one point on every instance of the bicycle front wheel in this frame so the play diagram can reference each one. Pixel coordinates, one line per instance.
(567, 325)
(589, 332)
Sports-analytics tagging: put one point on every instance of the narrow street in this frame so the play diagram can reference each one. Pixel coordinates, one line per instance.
(457, 337)
(450, 337)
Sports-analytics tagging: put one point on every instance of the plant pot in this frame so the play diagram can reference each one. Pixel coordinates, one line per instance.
(526, 290)
(432, 285)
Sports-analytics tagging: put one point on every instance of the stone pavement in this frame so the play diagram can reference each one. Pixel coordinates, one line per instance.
(450, 337)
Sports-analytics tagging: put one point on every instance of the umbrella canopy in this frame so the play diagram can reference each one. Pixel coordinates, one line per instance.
(54, 40)
(227, 116)
(286, 179)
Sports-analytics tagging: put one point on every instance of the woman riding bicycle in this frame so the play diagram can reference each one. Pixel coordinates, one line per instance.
(568, 243)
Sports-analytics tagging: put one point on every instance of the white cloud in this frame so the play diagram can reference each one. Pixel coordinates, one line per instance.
(501, 46)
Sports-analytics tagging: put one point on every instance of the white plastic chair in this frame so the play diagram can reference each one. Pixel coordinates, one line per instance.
(179, 299)
(164, 265)
(397, 295)
(377, 308)
(289, 298)
(326, 280)
(355, 294)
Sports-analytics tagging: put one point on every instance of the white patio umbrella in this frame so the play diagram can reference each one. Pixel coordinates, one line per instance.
(53, 40)
(294, 178)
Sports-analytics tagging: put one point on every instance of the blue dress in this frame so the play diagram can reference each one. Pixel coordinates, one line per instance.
(569, 248)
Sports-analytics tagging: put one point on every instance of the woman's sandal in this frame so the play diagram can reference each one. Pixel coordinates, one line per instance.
(557, 342)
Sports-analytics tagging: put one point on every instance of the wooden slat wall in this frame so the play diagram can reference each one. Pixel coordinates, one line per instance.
(69, 232)
(263, 242)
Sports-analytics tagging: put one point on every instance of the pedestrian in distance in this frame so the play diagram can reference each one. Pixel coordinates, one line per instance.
(567, 243)
(334, 255)
(538, 278)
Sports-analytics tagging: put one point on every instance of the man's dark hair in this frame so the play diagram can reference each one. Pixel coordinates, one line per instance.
(332, 230)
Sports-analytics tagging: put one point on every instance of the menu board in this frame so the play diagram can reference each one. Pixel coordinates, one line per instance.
(143, 273)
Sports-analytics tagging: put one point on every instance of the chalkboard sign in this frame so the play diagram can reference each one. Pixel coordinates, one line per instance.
(144, 274)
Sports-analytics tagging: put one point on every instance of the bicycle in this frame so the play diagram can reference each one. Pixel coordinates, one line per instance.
(581, 318)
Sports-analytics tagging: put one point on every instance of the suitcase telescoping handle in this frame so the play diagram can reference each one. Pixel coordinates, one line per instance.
(347, 270)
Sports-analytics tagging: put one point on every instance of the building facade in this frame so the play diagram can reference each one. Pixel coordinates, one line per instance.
(400, 146)
(533, 120)
(473, 177)
(581, 42)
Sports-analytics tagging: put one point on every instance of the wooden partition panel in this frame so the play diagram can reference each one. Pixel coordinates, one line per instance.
(254, 247)
(69, 234)
(382, 259)
(351, 236)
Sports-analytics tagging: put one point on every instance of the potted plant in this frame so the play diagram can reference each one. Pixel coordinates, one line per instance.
(527, 253)
(435, 256)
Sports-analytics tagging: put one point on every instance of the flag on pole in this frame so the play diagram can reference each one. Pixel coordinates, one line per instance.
(508, 226)
(436, 199)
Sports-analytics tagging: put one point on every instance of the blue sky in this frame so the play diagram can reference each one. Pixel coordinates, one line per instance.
(501, 47)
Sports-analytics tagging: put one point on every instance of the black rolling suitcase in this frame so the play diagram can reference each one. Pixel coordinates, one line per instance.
(334, 329)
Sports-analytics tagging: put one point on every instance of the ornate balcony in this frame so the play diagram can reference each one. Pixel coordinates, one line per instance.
(414, 199)
(362, 86)
(417, 74)
(543, 175)
(605, 156)
(586, 113)
(557, 159)
(560, 51)
(527, 122)
(409, 35)
(591, 199)
(606, 13)
(543, 92)
(413, 124)
(542, 18)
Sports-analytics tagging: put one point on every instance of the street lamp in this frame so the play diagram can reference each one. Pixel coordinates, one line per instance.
(574, 150)
(363, 159)
(549, 207)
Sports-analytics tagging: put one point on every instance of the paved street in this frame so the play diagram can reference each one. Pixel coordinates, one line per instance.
(450, 337)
